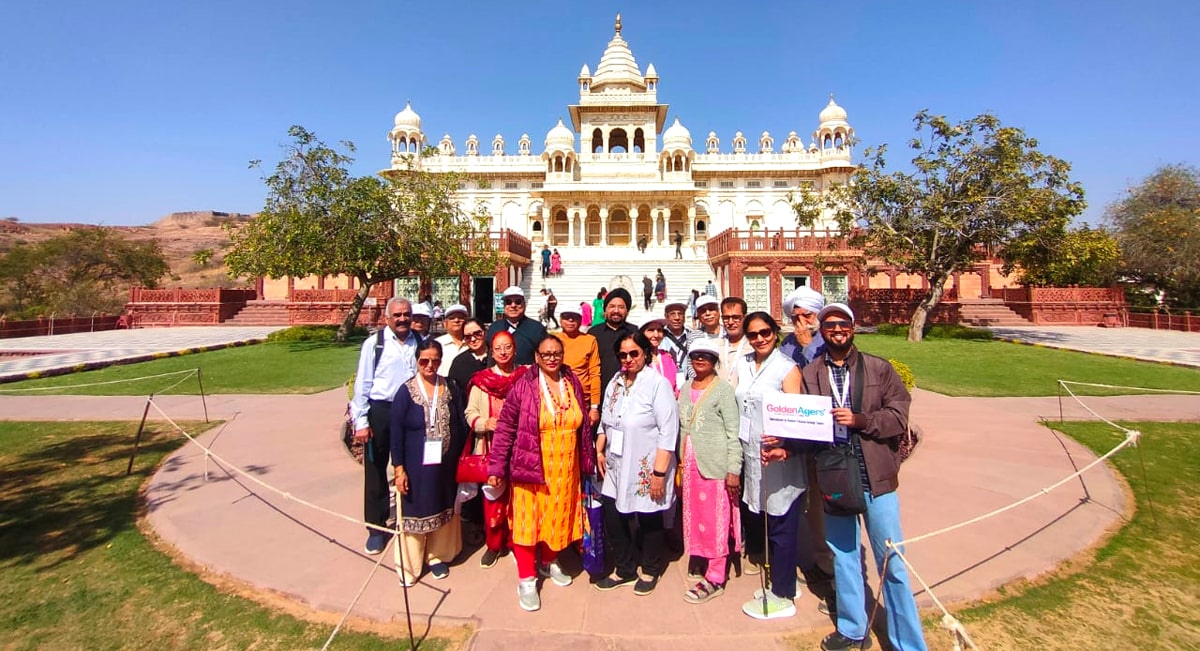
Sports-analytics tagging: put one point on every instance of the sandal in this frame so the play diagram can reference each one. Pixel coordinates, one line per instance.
(702, 592)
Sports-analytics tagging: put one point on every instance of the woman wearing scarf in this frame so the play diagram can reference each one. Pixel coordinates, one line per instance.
(428, 433)
(543, 448)
(712, 467)
(485, 398)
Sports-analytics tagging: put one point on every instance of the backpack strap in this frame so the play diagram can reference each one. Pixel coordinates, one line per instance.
(378, 350)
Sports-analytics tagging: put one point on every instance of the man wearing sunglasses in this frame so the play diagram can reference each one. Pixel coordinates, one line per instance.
(870, 401)
(526, 332)
(452, 342)
(387, 360)
(708, 313)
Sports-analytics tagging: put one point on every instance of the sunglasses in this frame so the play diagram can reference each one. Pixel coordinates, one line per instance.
(473, 335)
(629, 354)
(837, 325)
(765, 333)
(703, 357)
(425, 361)
(514, 301)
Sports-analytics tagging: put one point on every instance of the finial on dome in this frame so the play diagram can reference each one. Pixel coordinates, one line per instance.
(618, 23)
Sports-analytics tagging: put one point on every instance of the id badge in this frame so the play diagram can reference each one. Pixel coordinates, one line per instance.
(840, 433)
(433, 452)
(744, 429)
(616, 441)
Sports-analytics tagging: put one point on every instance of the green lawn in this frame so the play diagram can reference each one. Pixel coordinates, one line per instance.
(75, 572)
(997, 368)
(304, 367)
(1143, 589)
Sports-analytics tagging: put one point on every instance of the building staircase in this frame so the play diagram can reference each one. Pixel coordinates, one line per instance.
(987, 312)
(582, 278)
(261, 313)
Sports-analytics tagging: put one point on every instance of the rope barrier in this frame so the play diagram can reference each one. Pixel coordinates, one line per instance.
(59, 387)
(1118, 386)
(358, 595)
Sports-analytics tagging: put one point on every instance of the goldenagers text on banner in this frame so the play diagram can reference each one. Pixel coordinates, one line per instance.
(798, 416)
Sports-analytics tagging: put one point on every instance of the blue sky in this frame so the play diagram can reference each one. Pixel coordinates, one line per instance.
(121, 112)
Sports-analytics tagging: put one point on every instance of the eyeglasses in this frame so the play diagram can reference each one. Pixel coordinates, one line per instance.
(731, 317)
(514, 300)
(629, 354)
(837, 325)
(401, 315)
(425, 361)
(765, 333)
(554, 355)
(473, 335)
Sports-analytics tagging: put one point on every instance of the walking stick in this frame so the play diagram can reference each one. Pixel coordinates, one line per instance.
(762, 505)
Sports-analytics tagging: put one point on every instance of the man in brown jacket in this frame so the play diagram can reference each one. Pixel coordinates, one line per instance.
(869, 400)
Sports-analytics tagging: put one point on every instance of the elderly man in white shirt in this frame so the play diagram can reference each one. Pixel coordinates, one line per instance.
(452, 342)
(386, 361)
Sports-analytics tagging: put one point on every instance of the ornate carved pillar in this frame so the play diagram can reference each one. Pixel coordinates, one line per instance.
(691, 222)
(572, 217)
(660, 228)
(775, 270)
(547, 229)
(604, 216)
(736, 285)
(633, 224)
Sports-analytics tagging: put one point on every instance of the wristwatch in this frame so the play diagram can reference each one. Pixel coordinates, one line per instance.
(658, 474)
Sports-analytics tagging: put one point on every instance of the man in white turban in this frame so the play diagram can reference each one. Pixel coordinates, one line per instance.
(805, 343)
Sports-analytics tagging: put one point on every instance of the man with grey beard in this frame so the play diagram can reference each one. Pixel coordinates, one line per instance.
(805, 343)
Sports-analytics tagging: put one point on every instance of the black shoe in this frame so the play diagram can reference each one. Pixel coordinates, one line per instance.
(644, 587)
(613, 582)
(835, 641)
(489, 558)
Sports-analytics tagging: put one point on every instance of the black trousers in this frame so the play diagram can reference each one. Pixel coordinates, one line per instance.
(629, 548)
(376, 459)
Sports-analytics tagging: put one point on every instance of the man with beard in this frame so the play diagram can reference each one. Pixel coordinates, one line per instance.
(526, 332)
(708, 313)
(870, 410)
(616, 308)
(805, 343)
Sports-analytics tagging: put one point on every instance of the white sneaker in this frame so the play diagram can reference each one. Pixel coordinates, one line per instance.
(527, 595)
(773, 607)
(799, 592)
(555, 573)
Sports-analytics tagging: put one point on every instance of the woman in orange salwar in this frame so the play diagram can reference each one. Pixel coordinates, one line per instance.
(542, 448)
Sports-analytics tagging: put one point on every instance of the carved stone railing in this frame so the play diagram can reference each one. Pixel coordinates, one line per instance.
(734, 240)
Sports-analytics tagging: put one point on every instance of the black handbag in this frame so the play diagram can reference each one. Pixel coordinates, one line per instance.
(838, 475)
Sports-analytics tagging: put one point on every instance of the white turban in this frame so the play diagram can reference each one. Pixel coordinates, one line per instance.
(803, 297)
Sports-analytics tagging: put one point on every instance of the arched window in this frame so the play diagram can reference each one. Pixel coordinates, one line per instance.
(537, 226)
(828, 142)
(837, 141)
(558, 163)
(678, 163)
(700, 226)
(597, 141)
(618, 141)
(639, 140)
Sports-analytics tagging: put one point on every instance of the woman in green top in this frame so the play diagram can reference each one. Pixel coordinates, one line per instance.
(712, 466)
(598, 306)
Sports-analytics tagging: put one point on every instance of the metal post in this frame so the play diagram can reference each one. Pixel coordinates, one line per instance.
(138, 439)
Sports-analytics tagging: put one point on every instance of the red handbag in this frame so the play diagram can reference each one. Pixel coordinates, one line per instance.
(472, 468)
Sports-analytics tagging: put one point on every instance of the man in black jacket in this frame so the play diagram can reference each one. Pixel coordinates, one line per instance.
(616, 308)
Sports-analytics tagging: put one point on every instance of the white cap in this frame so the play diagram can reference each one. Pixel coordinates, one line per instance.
(835, 307)
(804, 297)
(705, 301)
(513, 291)
(421, 309)
(458, 308)
(704, 345)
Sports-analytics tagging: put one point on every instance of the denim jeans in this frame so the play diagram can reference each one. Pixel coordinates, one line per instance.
(842, 535)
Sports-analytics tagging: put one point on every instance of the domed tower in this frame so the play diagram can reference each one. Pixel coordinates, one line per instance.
(834, 135)
(406, 136)
(675, 161)
(559, 153)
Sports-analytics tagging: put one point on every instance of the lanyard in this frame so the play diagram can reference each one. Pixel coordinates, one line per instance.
(431, 417)
(754, 375)
(843, 399)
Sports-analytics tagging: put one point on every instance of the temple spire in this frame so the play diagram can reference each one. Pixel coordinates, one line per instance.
(618, 27)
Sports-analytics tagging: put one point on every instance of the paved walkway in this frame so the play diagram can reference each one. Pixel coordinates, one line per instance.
(979, 454)
(48, 354)
(1170, 346)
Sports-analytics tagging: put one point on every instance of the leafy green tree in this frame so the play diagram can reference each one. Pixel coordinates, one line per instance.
(1086, 256)
(1158, 227)
(202, 257)
(975, 187)
(319, 219)
(85, 270)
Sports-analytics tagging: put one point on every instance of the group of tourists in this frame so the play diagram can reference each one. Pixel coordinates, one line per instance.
(663, 426)
(551, 262)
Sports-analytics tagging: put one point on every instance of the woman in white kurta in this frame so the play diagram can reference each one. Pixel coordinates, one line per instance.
(773, 476)
(639, 433)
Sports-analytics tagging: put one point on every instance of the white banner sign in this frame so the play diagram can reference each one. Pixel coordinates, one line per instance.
(798, 416)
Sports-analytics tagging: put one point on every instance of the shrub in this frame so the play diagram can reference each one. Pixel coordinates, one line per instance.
(937, 331)
(312, 333)
(905, 373)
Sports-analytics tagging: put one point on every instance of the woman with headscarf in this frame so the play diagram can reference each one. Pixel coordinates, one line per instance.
(712, 465)
(639, 432)
(661, 361)
(542, 449)
(485, 399)
(428, 432)
(774, 476)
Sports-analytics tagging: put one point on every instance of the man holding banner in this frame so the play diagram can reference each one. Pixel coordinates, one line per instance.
(870, 412)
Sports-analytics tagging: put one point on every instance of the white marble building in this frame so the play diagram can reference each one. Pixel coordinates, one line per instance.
(617, 172)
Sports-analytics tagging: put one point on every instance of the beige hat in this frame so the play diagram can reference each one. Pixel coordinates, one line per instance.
(513, 290)
(457, 308)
